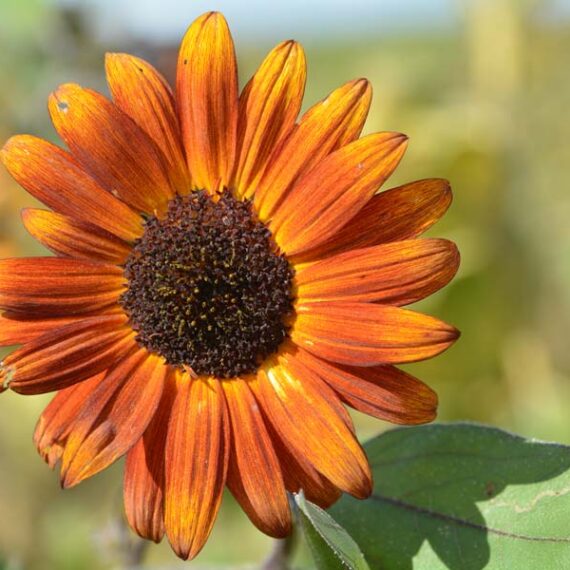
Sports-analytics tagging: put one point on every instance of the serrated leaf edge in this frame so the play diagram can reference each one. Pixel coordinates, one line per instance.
(300, 501)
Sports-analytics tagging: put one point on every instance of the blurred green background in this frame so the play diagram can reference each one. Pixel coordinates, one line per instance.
(482, 89)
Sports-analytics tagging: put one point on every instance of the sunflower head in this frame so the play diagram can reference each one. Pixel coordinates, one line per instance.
(227, 278)
(207, 287)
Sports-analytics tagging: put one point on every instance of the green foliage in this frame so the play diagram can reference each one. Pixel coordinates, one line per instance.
(462, 497)
(331, 546)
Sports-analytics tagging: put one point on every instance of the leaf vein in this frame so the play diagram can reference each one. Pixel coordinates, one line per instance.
(465, 523)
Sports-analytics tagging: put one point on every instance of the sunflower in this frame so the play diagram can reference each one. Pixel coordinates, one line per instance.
(226, 280)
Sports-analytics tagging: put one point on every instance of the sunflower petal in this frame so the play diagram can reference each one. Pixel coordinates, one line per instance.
(364, 334)
(143, 487)
(98, 399)
(299, 474)
(19, 328)
(207, 98)
(67, 355)
(268, 108)
(58, 418)
(325, 127)
(141, 92)
(53, 286)
(126, 416)
(142, 490)
(396, 273)
(54, 177)
(111, 147)
(310, 426)
(254, 474)
(398, 214)
(335, 190)
(196, 463)
(69, 237)
(382, 391)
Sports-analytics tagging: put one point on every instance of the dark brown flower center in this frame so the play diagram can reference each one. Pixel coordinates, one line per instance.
(208, 287)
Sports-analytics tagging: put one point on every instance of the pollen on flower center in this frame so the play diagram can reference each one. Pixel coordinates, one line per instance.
(207, 286)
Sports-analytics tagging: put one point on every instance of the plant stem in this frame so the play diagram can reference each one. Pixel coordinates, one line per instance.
(280, 556)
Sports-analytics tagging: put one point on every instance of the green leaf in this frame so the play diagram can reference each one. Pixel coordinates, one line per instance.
(331, 546)
(462, 497)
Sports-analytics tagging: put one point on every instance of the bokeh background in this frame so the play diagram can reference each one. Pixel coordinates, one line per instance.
(482, 89)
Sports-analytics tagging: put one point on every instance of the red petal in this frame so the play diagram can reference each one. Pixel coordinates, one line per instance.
(130, 402)
(67, 355)
(54, 177)
(335, 190)
(58, 419)
(140, 91)
(299, 474)
(58, 287)
(144, 472)
(308, 421)
(325, 127)
(196, 463)
(207, 98)
(364, 334)
(18, 328)
(397, 273)
(381, 391)
(397, 214)
(69, 237)
(111, 146)
(254, 474)
(268, 108)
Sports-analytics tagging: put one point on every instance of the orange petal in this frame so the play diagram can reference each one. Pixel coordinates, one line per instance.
(299, 474)
(268, 108)
(308, 421)
(58, 286)
(397, 214)
(54, 177)
(364, 334)
(69, 237)
(254, 474)
(196, 463)
(129, 404)
(141, 92)
(328, 125)
(96, 401)
(18, 328)
(381, 391)
(335, 190)
(111, 147)
(67, 355)
(142, 490)
(143, 487)
(396, 273)
(58, 419)
(207, 98)
(326, 392)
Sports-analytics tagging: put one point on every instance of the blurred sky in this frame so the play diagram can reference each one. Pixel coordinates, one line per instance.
(162, 19)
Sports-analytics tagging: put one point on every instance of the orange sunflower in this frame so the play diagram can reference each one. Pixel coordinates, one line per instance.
(226, 279)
